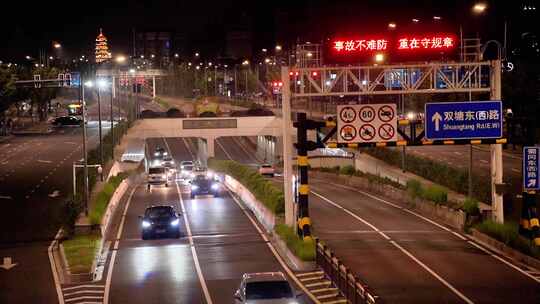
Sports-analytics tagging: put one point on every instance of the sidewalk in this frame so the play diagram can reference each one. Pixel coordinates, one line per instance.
(39, 128)
(372, 165)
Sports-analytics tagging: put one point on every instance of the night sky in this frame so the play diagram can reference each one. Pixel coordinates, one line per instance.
(204, 23)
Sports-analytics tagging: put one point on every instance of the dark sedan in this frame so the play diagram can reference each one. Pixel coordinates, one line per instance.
(203, 185)
(67, 121)
(160, 220)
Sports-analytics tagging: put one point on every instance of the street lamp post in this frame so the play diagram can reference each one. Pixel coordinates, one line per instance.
(112, 121)
(85, 152)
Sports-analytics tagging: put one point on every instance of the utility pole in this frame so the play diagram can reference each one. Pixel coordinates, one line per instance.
(496, 149)
(112, 120)
(85, 152)
(99, 127)
(287, 148)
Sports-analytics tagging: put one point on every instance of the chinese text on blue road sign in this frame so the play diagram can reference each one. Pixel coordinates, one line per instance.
(531, 162)
(463, 120)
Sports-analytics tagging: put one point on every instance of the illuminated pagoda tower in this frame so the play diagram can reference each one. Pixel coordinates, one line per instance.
(102, 49)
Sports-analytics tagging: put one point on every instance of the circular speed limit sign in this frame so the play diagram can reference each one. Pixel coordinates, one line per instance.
(367, 114)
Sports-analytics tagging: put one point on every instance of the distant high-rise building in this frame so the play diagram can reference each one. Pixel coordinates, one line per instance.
(102, 49)
(157, 46)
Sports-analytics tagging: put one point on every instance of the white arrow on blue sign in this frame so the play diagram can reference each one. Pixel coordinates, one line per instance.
(463, 120)
(531, 164)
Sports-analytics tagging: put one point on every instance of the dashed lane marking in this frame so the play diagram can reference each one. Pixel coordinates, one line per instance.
(403, 250)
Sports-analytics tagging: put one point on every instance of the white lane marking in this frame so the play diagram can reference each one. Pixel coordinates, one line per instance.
(5, 197)
(516, 170)
(457, 153)
(82, 292)
(53, 268)
(404, 209)
(70, 143)
(84, 298)
(505, 261)
(274, 252)
(44, 161)
(113, 256)
(251, 155)
(406, 252)
(83, 286)
(188, 148)
(193, 251)
(223, 148)
(484, 161)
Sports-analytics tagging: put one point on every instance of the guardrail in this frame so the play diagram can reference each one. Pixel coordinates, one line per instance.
(349, 285)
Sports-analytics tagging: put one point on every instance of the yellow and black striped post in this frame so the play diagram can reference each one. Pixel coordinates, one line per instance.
(525, 221)
(304, 223)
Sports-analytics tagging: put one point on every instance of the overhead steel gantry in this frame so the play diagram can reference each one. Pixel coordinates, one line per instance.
(373, 80)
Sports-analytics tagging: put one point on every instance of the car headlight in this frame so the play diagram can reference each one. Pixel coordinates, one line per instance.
(194, 187)
(156, 153)
(215, 186)
(175, 222)
(172, 162)
(209, 174)
(165, 153)
(163, 176)
(146, 224)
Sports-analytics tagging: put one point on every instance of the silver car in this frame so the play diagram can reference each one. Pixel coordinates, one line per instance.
(265, 287)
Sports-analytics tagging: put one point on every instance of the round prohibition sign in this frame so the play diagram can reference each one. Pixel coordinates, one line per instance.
(367, 132)
(386, 113)
(386, 131)
(366, 113)
(347, 114)
(348, 132)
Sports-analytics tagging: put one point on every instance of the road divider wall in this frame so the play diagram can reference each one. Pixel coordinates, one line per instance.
(111, 206)
(265, 216)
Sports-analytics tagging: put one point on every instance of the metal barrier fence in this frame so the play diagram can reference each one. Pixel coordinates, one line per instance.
(350, 286)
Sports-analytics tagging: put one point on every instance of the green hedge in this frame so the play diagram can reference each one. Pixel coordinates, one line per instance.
(509, 235)
(305, 250)
(440, 173)
(102, 200)
(434, 193)
(470, 206)
(264, 190)
(80, 252)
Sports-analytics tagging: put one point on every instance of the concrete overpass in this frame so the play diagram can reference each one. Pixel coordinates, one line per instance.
(208, 129)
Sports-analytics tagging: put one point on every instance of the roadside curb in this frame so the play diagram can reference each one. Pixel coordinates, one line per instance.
(5, 138)
(503, 250)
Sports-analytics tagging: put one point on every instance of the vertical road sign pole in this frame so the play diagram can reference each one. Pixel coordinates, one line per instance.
(304, 223)
(287, 147)
(496, 149)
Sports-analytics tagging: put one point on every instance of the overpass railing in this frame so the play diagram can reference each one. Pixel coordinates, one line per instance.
(348, 284)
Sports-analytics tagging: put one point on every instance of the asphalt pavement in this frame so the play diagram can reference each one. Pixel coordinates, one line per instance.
(220, 245)
(401, 256)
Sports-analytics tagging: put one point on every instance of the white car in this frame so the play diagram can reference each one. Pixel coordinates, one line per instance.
(265, 287)
(158, 176)
(267, 169)
(186, 169)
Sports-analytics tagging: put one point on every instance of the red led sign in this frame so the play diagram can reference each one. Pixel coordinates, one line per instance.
(426, 43)
(360, 45)
(439, 42)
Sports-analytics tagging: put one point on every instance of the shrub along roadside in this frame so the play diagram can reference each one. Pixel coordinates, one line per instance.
(80, 252)
(264, 190)
(508, 234)
(103, 198)
(440, 173)
(305, 250)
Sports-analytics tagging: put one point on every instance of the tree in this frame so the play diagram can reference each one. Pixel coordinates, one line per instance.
(7, 88)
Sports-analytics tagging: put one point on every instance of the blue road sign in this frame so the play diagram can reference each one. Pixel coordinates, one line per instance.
(463, 120)
(531, 164)
(75, 79)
